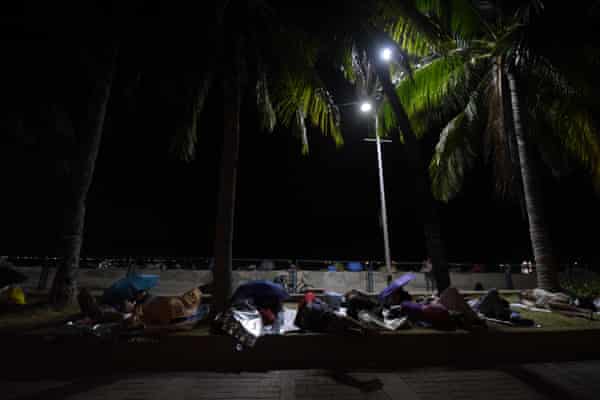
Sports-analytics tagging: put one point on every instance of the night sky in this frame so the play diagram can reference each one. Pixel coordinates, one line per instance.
(324, 205)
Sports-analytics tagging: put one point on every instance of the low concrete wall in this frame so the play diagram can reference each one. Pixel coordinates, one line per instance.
(178, 281)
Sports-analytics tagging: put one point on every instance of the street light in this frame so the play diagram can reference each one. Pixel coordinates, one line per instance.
(386, 54)
(366, 107)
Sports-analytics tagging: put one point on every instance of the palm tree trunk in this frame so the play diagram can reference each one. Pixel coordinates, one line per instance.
(546, 266)
(222, 273)
(64, 286)
(427, 207)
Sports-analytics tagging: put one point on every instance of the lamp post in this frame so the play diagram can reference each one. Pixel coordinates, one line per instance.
(366, 107)
(386, 55)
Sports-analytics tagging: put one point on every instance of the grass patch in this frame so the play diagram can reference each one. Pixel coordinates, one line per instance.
(36, 314)
(557, 321)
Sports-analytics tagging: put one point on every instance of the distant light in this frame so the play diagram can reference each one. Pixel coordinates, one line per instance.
(386, 54)
(366, 107)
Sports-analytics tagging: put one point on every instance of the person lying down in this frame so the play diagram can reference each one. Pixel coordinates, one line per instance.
(146, 311)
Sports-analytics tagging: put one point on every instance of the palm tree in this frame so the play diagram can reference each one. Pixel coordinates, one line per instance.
(101, 67)
(255, 57)
(474, 84)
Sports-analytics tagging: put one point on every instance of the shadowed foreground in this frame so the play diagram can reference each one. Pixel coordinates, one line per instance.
(524, 382)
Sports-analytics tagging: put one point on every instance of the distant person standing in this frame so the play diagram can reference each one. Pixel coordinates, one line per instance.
(427, 270)
(508, 282)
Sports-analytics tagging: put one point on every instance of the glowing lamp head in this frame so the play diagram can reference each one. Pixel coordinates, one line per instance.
(386, 54)
(366, 107)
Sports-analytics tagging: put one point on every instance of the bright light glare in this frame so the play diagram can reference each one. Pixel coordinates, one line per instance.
(366, 107)
(386, 54)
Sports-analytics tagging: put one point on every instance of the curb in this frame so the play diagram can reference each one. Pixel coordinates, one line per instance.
(53, 355)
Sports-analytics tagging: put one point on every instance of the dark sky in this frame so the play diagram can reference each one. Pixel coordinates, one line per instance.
(143, 202)
(324, 205)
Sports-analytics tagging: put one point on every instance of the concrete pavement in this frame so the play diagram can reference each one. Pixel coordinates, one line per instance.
(565, 381)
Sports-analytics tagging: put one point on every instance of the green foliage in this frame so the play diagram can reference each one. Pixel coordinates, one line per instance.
(462, 83)
(434, 85)
(454, 154)
(432, 26)
(275, 61)
(566, 130)
(297, 99)
(410, 38)
(455, 17)
(582, 288)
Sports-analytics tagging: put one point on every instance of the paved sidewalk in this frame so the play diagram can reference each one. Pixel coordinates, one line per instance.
(559, 381)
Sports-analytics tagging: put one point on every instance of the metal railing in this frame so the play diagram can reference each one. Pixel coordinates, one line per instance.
(267, 264)
(288, 271)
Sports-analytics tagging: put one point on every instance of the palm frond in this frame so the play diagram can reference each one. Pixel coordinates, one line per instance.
(268, 118)
(414, 31)
(458, 18)
(454, 155)
(439, 84)
(298, 98)
(578, 134)
(299, 130)
(411, 39)
(183, 144)
(567, 111)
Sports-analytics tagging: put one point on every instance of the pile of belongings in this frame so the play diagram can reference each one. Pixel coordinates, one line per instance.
(326, 316)
(11, 294)
(562, 303)
(255, 309)
(496, 309)
(127, 307)
(448, 312)
(393, 309)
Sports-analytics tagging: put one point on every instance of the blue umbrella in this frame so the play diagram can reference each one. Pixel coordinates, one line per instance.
(127, 288)
(395, 285)
(262, 292)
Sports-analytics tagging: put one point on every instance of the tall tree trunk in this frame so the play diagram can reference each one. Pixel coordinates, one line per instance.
(222, 273)
(546, 266)
(427, 207)
(64, 286)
